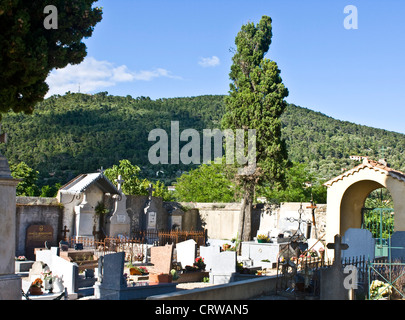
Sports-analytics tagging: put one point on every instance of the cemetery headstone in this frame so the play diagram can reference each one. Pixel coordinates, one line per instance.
(209, 253)
(84, 218)
(111, 267)
(176, 219)
(186, 252)
(224, 268)
(63, 245)
(150, 211)
(36, 236)
(332, 278)
(361, 243)
(398, 246)
(162, 258)
(119, 222)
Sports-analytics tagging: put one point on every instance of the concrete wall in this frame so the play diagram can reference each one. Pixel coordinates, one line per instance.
(222, 219)
(240, 290)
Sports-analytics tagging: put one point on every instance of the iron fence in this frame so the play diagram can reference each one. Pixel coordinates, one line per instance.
(135, 246)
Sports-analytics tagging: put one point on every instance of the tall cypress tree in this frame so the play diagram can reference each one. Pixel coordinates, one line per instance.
(29, 49)
(256, 101)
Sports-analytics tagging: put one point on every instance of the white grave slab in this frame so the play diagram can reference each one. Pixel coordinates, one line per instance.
(186, 252)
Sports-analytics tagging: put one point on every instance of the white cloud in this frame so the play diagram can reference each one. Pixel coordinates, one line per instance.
(209, 62)
(92, 75)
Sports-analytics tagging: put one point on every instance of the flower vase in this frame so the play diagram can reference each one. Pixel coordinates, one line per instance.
(35, 291)
(48, 285)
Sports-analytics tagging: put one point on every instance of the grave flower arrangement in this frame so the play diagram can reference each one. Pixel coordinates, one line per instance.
(37, 283)
(35, 287)
(47, 275)
(199, 263)
(21, 258)
(138, 271)
(261, 238)
(380, 290)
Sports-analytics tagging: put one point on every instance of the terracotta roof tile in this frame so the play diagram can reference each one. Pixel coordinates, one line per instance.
(371, 164)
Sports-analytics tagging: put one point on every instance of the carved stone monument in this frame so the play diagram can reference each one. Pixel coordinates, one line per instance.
(150, 211)
(119, 223)
(10, 283)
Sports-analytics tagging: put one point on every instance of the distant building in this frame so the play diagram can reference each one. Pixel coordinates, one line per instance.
(357, 158)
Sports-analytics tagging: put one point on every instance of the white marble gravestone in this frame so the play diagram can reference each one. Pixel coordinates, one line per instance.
(224, 268)
(84, 218)
(186, 252)
(208, 254)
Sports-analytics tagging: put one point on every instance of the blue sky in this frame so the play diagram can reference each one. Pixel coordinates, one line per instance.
(180, 48)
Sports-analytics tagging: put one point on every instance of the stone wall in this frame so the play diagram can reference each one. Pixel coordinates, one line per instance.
(222, 219)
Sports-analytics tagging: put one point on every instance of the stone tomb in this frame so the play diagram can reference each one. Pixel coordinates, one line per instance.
(36, 236)
(258, 252)
(112, 284)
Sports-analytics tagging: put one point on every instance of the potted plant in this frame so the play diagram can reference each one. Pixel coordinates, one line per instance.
(35, 288)
(261, 238)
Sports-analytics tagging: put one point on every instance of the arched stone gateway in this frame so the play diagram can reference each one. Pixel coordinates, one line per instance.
(347, 193)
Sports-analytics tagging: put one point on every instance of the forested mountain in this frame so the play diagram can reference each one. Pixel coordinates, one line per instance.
(80, 133)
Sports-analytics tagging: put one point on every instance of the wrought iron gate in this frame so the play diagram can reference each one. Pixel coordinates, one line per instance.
(380, 222)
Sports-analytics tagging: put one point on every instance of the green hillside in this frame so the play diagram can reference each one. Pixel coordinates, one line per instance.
(80, 133)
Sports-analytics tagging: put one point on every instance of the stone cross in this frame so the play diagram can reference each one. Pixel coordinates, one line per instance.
(338, 246)
(64, 231)
(313, 207)
(120, 181)
(101, 170)
(150, 190)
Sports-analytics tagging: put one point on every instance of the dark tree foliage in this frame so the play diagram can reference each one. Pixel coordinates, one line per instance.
(29, 50)
(256, 101)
